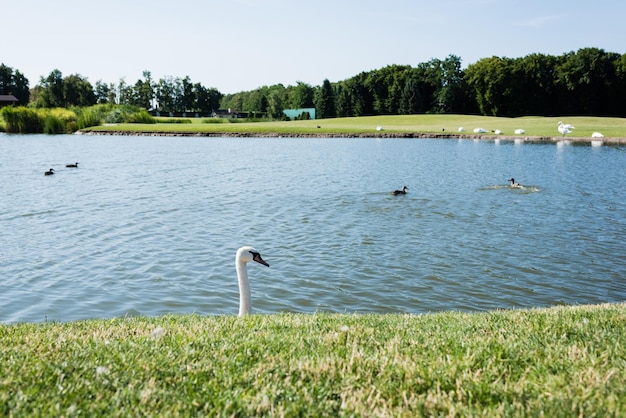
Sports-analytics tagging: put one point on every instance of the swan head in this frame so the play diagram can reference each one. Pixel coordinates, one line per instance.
(244, 256)
(247, 254)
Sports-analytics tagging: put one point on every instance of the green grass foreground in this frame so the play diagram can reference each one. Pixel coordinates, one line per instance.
(545, 127)
(562, 361)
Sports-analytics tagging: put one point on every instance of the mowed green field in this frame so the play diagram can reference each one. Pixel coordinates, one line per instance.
(557, 362)
(534, 126)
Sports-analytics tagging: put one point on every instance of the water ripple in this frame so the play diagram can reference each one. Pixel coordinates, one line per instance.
(149, 226)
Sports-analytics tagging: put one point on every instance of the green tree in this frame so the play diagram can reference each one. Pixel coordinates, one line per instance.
(125, 93)
(589, 81)
(206, 99)
(188, 97)
(410, 101)
(301, 96)
(343, 102)
(275, 105)
(491, 81)
(169, 94)
(77, 91)
(13, 82)
(105, 93)
(325, 101)
(451, 95)
(143, 91)
(51, 94)
(620, 91)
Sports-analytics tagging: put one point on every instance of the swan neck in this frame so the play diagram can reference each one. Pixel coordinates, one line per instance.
(244, 288)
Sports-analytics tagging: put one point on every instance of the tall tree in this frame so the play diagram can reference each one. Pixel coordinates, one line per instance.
(589, 80)
(103, 93)
(143, 95)
(188, 97)
(275, 105)
(410, 101)
(301, 96)
(51, 94)
(451, 96)
(13, 82)
(125, 93)
(206, 99)
(77, 91)
(325, 101)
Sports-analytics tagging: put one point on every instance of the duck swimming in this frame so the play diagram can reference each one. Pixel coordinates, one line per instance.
(397, 192)
(514, 183)
(71, 165)
(49, 173)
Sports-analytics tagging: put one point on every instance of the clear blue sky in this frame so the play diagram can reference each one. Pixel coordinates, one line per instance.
(239, 45)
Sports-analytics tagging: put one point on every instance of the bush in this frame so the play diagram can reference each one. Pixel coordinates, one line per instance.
(91, 116)
(21, 120)
(140, 116)
(53, 125)
(128, 114)
(58, 121)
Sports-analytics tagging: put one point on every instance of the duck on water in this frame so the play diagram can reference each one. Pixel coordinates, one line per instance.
(49, 172)
(514, 183)
(71, 165)
(402, 191)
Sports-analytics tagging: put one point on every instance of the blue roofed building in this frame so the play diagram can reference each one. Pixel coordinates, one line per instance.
(298, 113)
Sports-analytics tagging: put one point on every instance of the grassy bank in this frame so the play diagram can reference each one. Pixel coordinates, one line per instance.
(565, 361)
(392, 125)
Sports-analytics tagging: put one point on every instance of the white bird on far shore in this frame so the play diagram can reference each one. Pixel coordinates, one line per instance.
(597, 135)
(520, 132)
(565, 129)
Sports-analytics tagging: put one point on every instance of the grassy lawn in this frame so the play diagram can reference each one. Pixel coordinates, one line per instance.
(435, 124)
(563, 361)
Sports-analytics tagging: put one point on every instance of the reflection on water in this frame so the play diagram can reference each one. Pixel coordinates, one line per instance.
(150, 225)
(523, 189)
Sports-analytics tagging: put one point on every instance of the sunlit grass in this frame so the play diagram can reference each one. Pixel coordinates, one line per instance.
(411, 124)
(565, 361)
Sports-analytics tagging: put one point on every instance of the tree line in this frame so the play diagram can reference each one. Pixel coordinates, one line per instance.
(589, 81)
(169, 94)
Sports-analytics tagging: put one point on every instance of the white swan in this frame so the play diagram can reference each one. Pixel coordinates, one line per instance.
(520, 132)
(597, 135)
(243, 257)
(565, 128)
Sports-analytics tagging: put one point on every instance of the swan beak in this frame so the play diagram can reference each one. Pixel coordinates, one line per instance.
(257, 257)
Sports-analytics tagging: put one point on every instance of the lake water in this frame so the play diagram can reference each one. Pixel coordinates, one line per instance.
(150, 225)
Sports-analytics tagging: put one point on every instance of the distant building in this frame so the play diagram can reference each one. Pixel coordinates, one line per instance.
(297, 113)
(225, 114)
(7, 100)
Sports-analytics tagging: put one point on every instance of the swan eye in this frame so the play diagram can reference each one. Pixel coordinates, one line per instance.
(257, 257)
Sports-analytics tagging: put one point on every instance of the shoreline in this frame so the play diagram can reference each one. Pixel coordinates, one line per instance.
(416, 135)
